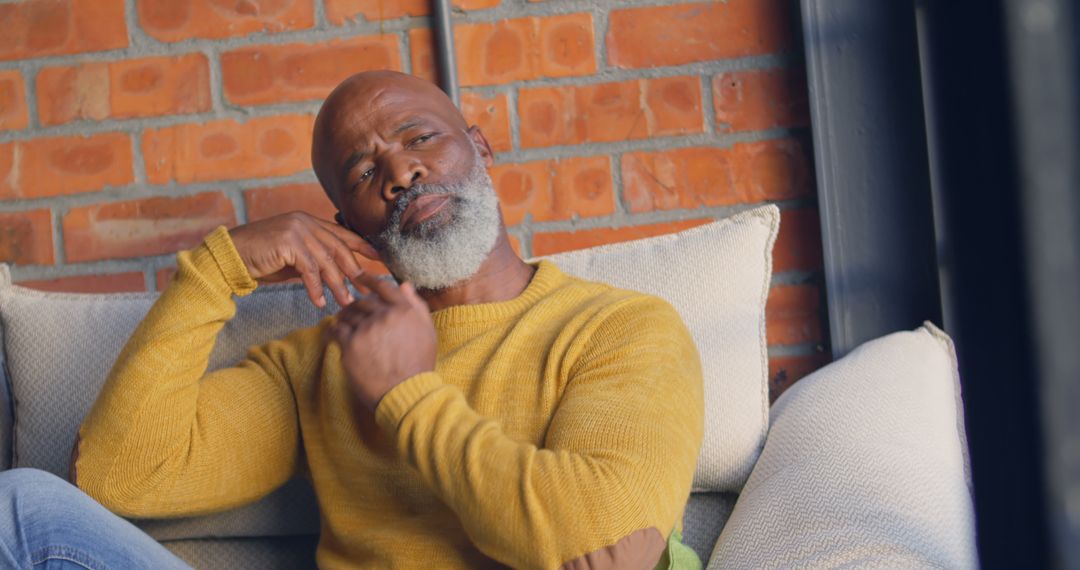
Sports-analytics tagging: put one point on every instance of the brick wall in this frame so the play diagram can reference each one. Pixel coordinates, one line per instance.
(130, 128)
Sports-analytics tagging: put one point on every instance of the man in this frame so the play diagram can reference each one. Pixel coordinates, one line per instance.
(485, 412)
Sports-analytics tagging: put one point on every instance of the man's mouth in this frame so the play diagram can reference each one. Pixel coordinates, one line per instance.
(423, 208)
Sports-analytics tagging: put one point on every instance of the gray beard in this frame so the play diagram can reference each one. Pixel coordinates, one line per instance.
(450, 246)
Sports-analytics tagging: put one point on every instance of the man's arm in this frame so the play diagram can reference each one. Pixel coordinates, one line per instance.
(166, 439)
(619, 456)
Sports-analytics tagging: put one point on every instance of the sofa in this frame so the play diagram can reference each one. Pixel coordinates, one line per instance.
(860, 464)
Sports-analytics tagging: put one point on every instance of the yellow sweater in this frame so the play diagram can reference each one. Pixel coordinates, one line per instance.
(554, 424)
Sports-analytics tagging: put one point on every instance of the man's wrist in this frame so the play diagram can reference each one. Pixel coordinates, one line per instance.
(228, 260)
(396, 403)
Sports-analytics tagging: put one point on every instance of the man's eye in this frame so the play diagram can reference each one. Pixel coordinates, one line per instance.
(421, 139)
(366, 174)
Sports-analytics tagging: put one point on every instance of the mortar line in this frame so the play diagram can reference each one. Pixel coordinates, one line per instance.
(708, 110)
(149, 278)
(222, 110)
(617, 183)
(513, 118)
(33, 123)
(59, 256)
(405, 51)
(130, 20)
(137, 190)
(796, 277)
(618, 221)
(793, 350)
(92, 267)
(321, 21)
(138, 162)
(600, 29)
(316, 34)
(218, 104)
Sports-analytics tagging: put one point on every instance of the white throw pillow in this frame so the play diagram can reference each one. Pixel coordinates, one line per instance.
(717, 278)
(864, 467)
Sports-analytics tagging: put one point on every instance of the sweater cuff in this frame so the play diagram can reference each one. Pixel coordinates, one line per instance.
(403, 397)
(221, 246)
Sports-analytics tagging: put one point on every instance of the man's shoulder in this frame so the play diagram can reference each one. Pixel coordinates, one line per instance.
(606, 301)
(606, 294)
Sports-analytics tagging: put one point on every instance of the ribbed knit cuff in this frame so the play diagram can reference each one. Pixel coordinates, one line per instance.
(401, 398)
(221, 246)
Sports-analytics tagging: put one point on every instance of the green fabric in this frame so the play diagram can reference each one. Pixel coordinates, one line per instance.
(678, 556)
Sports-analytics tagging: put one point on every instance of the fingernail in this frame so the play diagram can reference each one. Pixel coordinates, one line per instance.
(321, 302)
(348, 299)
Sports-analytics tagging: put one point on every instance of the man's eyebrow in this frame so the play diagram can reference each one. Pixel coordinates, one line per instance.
(406, 126)
(354, 158)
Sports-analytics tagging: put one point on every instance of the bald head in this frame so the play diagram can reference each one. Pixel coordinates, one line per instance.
(358, 106)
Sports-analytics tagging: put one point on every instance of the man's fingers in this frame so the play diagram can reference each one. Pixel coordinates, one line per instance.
(351, 239)
(309, 274)
(361, 308)
(343, 257)
(386, 290)
(408, 290)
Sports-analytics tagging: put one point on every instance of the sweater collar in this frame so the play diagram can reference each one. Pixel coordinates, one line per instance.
(547, 278)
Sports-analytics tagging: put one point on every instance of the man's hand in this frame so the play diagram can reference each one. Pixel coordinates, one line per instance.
(385, 338)
(300, 245)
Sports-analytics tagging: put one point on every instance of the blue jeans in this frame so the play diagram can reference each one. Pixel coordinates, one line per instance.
(48, 523)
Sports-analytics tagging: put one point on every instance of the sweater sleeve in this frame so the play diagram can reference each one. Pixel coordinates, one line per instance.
(164, 438)
(619, 454)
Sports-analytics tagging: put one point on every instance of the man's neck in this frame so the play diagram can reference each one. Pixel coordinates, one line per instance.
(502, 277)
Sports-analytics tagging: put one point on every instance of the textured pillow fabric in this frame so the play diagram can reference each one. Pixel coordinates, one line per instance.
(864, 467)
(717, 278)
(59, 350)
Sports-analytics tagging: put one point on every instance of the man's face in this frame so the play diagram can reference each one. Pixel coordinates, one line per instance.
(407, 175)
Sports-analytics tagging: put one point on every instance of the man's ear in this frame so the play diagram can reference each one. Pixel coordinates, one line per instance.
(363, 246)
(482, 145)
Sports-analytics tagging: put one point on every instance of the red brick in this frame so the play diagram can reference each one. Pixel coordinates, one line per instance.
(150, 226)
(274, 200)
(608, 112)
(784, 371)
(760, 99)
(514, 50)
(40, 168)
(798, 247)
(567, 45)
(652, 36)
(122, 89)
(555, 189)
(343, 11)
(421, 44)
(673, 106)
(112, 283)
(38, 28)
(227, 150)
(299, 72)
(13, 113)
(26, 238)
(173, 20)
(164, 277)
(689, 178)
(793, 315)
(554, 242)
(491, 115)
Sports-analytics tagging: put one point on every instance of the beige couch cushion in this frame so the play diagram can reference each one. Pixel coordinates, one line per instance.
(864, 467)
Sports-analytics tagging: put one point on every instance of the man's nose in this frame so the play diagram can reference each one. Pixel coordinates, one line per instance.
(401, 177)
